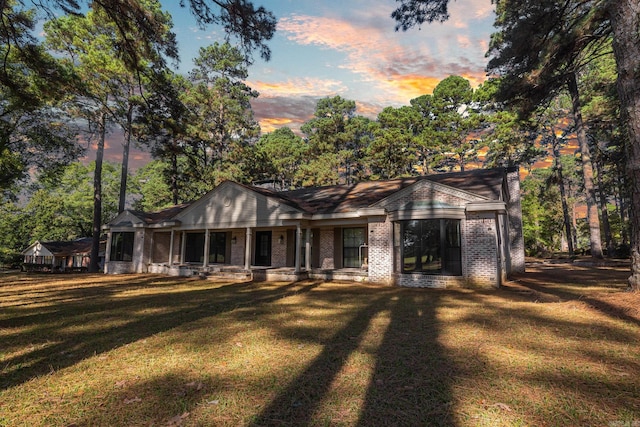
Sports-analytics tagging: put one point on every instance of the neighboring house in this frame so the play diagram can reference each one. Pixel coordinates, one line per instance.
(62, 256)
(461, 228)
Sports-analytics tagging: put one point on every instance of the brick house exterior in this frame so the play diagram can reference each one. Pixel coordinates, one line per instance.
(461, 229)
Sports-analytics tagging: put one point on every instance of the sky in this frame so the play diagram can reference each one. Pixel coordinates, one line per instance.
(324, 48)
(350, 48)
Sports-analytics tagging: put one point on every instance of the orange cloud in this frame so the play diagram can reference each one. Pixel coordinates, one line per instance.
(298, 87)
(113, 152)
(367, 109)
(269, 125)
(412, 86)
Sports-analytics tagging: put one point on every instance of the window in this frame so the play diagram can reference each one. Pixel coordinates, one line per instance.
(352, 240)
(122, 246)
(263, 248)
(430, 246)
(194, 248)
(217, 248)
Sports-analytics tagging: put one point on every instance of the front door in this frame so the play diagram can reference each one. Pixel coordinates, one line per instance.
(263, 248)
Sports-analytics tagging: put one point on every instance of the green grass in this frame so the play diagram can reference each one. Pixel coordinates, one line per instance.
(148, 350)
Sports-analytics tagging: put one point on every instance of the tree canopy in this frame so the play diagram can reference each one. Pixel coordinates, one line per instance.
(540, 46)
(31, 79)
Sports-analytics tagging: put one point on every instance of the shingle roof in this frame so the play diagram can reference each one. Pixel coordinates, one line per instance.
(72, 247)
(160, 216)
(484, 182)
(343, 198)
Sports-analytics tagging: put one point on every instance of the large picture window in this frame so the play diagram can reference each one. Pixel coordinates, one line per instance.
(122, 246)
(431, 246)
(352, 240)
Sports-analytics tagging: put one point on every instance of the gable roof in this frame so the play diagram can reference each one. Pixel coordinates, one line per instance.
(236, 204)
(488, 183)
(151, 218)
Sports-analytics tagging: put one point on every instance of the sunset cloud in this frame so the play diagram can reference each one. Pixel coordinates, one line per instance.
(364, 59)
(298, 87)
(269, 125)
(381, 57)
(279, 111)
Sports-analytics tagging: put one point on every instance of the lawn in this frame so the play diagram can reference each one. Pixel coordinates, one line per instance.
(557, 347)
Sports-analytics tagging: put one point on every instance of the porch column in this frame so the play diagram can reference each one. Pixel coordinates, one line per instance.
(183, 246)
(307, 250)
(298, 240)
(171, 248)
(247, 250)
(206, 248)
(53, 263)
(152, 249)
(107, 250)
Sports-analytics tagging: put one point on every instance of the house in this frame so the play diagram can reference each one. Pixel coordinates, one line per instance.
(60, 256)
(462, 228)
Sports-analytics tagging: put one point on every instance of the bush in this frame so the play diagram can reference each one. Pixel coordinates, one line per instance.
(622, 251)
(10, 259)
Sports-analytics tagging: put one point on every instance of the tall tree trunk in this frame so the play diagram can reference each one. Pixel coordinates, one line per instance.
(622, 208)
(563, 194)
(587, 170)
(606, 227)
(124, 172)
(574, 225)
(94, 265)
(174, 174)
(625, 22)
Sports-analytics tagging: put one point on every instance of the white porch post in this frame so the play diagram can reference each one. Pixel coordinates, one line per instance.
(247, 250)
(183, 246)
(171, 248)
(107, 251)
(152, 249)
(307, 250)
(206, 248)
(298, 247)
(53, 263)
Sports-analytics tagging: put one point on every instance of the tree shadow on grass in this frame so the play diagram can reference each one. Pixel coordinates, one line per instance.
(163, 400)
(565, 282)
(409, 384)
(298, 402)
(107, 317)
(413, 374)
(551, 361)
